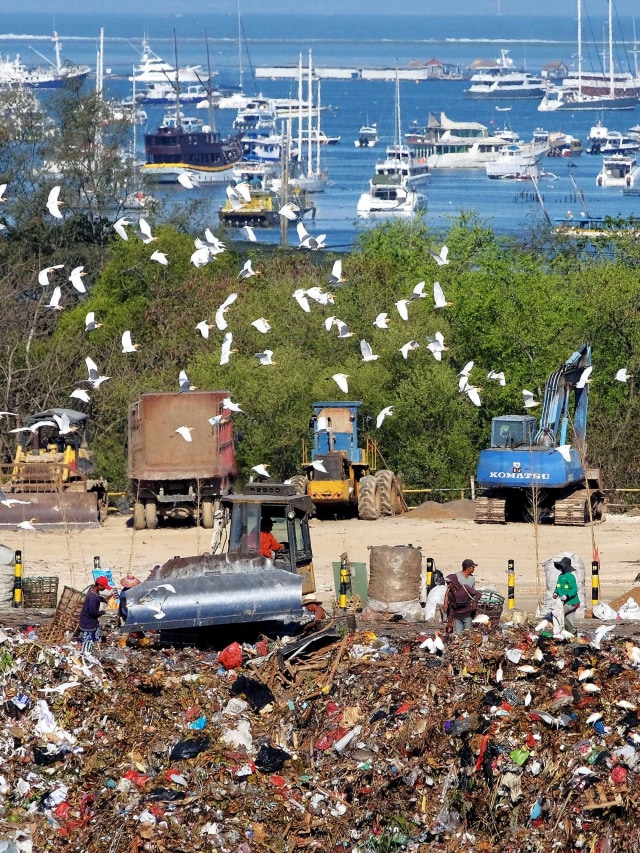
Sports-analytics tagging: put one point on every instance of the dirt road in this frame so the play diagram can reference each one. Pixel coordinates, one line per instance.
(69, 554)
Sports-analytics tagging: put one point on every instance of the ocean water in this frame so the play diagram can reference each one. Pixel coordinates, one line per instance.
(366, 42)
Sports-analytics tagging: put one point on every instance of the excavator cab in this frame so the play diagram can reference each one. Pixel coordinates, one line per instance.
(513, 431)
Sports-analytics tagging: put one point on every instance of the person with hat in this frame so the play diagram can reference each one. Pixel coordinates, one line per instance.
(92, 609)
(127, 583)
(567, 591)
(461, 598)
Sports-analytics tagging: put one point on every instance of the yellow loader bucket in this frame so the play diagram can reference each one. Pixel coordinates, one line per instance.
(50, 509)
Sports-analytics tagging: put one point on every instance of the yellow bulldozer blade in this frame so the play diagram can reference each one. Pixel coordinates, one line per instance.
(47, 509)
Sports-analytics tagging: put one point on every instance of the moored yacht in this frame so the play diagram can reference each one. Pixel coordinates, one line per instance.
(367, 136)
(619, 170)
(515, 161)
(386, 196)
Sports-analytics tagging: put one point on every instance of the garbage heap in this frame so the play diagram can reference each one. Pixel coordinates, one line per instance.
(495, 741)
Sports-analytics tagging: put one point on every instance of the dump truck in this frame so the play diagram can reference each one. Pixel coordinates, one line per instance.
(50, 480)
(234, 584)
(536, 471)
(172, 477)
(349, 482)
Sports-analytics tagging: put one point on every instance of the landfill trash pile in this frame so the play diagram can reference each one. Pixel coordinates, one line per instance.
(495, 740)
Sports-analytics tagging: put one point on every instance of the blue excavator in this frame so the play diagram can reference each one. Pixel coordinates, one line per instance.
(535, 470)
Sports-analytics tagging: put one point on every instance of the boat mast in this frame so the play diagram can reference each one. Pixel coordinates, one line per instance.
(100, 65)
(580, 49)
(177, 86)
(240, 68)
(56, 44)
(318, 131)
(397, 125)
(310, 119)
(611, 82)
(299, 108)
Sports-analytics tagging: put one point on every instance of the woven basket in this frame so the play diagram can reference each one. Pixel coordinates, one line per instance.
(40, 592)
(491, 604)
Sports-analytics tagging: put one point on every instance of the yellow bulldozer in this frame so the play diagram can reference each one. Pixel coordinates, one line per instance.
(50, 479)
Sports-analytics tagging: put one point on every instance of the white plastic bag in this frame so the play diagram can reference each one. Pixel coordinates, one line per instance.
(604, 611)
(434, 599)
(630, 610)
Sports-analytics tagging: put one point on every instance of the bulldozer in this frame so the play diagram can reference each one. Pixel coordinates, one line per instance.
(340, 476)
(234, 584)
(49, 481)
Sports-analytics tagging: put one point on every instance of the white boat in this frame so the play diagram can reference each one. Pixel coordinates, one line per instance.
(367, 136)
(153, 69)
(387, 197)
(515, 161)
(165, 93)
(619, 143)
(305, 172)
(619, 170)
(14, 73)
(503, 81)
(593, 90)
(256, 173)
(401, 161)
(447, 144)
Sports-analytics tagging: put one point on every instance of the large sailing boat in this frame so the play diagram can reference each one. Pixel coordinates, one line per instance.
(592, 90)
(401, 161)
(306, 171)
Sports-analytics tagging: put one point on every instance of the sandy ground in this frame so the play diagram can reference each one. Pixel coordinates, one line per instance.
(69, 554)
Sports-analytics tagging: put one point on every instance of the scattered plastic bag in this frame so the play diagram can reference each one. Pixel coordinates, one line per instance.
(257, 694)
(435, 599)
(270, 759)
(604, 611)
(231, 657)
(189, 748)
(630, 610)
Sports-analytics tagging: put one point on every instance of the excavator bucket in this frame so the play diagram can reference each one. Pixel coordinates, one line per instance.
(51, 509)
(194, 592)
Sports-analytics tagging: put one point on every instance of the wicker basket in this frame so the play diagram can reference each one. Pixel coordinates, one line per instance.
(40, 592)
(491, 604)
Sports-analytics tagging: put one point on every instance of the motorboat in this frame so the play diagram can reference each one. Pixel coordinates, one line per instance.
(564, 145)
(402, 163)
(515, 161)
(503, 81)
(261, 211)
(619, 170)
(175, 119)
(367, 136)
(255, 173)
(619, 143)
(320, 137)
(166, 92)
(386, 196)
(15, 74)
(152, 69)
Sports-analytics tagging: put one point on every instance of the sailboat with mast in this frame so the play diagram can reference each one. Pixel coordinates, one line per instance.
(591, 90)
(306, 173)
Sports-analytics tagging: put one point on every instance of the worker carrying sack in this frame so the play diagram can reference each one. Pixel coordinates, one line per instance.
(458, 597)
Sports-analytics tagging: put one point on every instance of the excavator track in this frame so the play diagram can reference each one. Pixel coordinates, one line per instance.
(574, 511)
(490, 510)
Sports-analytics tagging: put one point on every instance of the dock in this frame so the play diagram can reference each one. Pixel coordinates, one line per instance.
(415, 74)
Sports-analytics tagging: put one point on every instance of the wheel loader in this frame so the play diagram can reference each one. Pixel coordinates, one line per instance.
(340, 476)
(235, 584)
(49, 481)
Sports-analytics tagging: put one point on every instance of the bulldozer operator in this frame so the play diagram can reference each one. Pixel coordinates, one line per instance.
(268, 542)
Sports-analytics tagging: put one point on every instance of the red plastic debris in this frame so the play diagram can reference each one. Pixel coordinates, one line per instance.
(326, 740)
(138, 778)
(231, 657)
(619, 774)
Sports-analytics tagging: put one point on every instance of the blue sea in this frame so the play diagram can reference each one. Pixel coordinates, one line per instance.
(509, 207)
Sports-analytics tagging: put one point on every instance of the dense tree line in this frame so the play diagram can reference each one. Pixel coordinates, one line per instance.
(521, 306)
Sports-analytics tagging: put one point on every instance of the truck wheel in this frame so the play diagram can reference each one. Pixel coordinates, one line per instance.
(368, 499)
(300, 484)
(207, 513)
(387, 492)
(139, 521)
(151, 514)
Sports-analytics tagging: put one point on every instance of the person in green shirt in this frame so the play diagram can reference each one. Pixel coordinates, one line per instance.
(567, 591)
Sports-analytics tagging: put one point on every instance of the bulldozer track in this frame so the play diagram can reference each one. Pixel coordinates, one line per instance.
(387, 491)
(490, 510)
(369, 499)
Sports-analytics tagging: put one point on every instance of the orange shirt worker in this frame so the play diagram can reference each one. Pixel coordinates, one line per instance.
(268, 542)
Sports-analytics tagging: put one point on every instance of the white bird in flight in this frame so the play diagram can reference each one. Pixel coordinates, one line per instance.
(33, 428)
(76, 279)
(64, 424)
(43, 275)
(220, 319)
(225, 349)
(341, 381)
(90, 324)
(438, 296)
(401, 305)
(265, 358)
(261, 471)
(188, 180)
(472, 393)
(160, 258)
(120, 227)
(418, 291)
(183, 382)
(185, 432)
(382, 414)
(53, 203)
(300, 295)
(622, 375)
(144, 231)
(367, 352)
(127, 344)
(319, 295)
(585, 377)
(251, 234)
(565, 451)
(307, 241)
(55, 300)
(201, 257)
(335, 276)
(463, 376)
(441, 259)
(290, 211)
(261, 325)
(408, 347)
(9, 502)
(80, 394)
(382, 321)
(529, 402)
(498, 377)
(436, 345)
(228, 403)
(343, 329)
(95, 379)
(203, 327)
(215, 420)
(247, 270)
(26, 525)
(318, 465)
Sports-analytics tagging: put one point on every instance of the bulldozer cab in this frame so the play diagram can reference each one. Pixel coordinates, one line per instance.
(289, 514)
(513, 431)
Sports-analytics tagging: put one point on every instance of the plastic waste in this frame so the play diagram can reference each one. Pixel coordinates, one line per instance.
(257, 694)
(270, 759)
(462, 725)
(231, 656)
(189, 748)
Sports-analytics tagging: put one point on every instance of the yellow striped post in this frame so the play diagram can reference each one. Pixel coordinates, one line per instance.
(345, 581)
(430, 565)
(17, 579)
(511, 584)
(595, 583)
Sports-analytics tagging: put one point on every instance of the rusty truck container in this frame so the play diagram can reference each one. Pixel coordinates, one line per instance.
(171, 477)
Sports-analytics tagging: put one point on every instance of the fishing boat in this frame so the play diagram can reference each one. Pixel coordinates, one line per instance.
(619, 170)
(588, 90)
(367, 136)
(503, 81)
(15, 74)
(564, 145)
(386, 196)
(515, 161)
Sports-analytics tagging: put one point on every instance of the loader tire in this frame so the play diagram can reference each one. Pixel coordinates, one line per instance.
(300, 484)
(207, 513)
(368, 499)
(387, 491)
(139, 521)
(151, 514)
